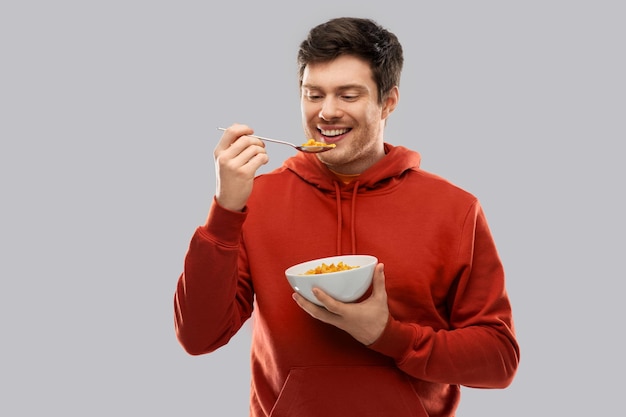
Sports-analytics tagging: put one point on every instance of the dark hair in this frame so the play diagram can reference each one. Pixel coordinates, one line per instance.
(362, 38)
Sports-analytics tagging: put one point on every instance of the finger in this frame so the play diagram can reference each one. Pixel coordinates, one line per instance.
(331, 304)
(302, 302)
(236, 147)
(245, 151)
(312, 309)
(231, 135)
(242, 151)
(378, 282)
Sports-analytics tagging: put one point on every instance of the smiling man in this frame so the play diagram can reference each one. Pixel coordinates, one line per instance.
(437, 315)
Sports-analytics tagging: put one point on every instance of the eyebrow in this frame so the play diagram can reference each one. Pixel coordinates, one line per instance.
(340, 88)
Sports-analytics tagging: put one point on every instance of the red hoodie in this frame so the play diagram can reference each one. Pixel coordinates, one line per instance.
(450, 325)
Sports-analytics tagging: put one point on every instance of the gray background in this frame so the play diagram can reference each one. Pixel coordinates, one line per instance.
(108, 113)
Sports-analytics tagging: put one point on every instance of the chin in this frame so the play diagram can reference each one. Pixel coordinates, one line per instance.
(332, 158)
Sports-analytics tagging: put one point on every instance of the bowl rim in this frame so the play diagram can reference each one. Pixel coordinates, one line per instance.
(371, 260)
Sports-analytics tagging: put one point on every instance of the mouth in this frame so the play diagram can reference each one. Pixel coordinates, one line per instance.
(333, 135)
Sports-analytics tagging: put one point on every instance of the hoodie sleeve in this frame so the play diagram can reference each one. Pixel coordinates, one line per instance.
(213, 297)
(479, 349)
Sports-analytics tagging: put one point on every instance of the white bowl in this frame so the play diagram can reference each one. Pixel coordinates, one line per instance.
(346, 286)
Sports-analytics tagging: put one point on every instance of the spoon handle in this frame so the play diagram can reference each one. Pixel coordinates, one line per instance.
(267, 139)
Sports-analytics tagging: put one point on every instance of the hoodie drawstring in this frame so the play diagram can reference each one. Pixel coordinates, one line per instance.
(352, 217)
(339, 225)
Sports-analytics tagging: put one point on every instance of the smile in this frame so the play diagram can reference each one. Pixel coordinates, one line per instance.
(333, 132)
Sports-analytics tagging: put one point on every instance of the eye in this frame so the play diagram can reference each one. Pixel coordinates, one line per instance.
(312, 94)
(313, 97)
(350, 95)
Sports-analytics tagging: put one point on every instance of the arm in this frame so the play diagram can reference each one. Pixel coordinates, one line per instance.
(213, 298)
(478, 349)
(214, 295)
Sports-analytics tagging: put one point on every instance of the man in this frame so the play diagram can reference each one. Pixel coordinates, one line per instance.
(437, 316)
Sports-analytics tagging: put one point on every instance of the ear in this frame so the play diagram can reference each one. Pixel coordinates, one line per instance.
(390, 102)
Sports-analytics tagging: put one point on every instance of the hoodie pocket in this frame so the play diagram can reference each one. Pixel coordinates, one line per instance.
(336, 391)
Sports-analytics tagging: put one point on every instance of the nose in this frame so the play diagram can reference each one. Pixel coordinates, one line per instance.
(330, 109)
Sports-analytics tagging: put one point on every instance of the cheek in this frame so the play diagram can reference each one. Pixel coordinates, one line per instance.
(308, 110)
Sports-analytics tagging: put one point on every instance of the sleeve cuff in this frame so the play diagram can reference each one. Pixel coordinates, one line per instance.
(223, 225)
(396, 340)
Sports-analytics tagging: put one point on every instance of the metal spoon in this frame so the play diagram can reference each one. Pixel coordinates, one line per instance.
(302, 148)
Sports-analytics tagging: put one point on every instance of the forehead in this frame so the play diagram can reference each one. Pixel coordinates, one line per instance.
(345, 70)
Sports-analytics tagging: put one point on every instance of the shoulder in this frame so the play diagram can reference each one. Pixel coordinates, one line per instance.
(440, 185)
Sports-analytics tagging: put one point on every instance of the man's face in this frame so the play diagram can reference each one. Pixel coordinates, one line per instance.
(339, 104)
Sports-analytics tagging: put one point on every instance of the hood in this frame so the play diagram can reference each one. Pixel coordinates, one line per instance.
(396, 162)
(385, 173)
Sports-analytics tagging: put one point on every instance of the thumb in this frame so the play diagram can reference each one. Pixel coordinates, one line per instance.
(378, 281)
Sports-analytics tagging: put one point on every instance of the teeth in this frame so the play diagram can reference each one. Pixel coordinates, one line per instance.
(334, 132)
